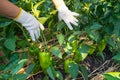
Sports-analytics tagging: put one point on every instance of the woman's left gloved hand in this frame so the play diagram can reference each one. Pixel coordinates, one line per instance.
(67, 16)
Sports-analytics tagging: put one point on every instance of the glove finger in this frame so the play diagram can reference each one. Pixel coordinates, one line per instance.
(32, 35)
(36, 33)
(74, 23)
(74, 19)
(41, 26)
(68, 24)
(71, 18)
(75, 14)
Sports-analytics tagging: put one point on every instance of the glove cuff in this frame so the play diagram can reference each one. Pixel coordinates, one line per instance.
(62, 7)
(18, 14)
(22, 17)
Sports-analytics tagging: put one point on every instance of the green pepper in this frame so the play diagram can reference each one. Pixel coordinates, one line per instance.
(45, 60)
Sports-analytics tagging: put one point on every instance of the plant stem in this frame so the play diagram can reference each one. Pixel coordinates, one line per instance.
(44, 40)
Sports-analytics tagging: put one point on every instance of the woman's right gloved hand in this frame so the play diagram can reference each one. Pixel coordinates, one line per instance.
(31, 24)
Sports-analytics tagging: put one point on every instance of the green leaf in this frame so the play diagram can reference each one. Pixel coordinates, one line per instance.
(10, 43)
(115, 74)
(67, 48)
(87, 1)
(0, 76)
(60, 25)
(16, 69)
(77, 33)
(35, 11)
(56, 51)
(42, 19)
(111, 42)
(14, 56)
(50, 72)
(59, 75)
(96, 26)
(82, 52)
(84, 72)
(2, 66)
(7, 76)
(60, 38)
(29, 5)
(30, 68)
(112, 76)
(18, 66)
(117, 29)
(95, 35)
(11, 65)
(116, 57)
(20, 76)
(73, 69)
(71, 38)
(4, 22)
(91, 50)
(101, 45)
(23, 61)
(101, 55)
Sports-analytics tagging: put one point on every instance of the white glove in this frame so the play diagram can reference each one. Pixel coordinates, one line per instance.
(31, 24)
(67, 16)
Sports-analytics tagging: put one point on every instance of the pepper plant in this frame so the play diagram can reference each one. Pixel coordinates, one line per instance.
(59, 51)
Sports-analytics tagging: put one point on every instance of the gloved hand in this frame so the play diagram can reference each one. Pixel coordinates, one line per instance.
(67, 16)
(31, 24)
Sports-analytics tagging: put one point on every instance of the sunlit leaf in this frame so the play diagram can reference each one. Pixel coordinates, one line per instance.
(59, 75)
(101, 45)
(42, 19)
(112, 76)
(56, 51)
(67, 48)
(82, 52)
(60, 38)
